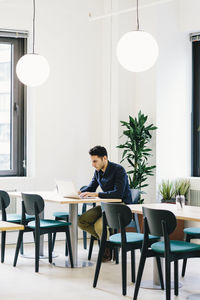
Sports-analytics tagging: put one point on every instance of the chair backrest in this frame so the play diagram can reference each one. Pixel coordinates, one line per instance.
(34, 204)
(135, 195)
(4, 200)
(117, 215)
(155, 219)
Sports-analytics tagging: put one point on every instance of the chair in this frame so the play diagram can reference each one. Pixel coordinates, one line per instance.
(191, 233)
(118, 216)
(162, 223)
(34, 204)
(13, 218)
(133, 224)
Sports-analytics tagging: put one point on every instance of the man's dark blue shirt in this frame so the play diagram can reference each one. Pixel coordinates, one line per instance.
(113, 182)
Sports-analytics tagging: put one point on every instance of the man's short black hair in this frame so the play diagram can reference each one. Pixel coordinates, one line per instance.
(99, 151)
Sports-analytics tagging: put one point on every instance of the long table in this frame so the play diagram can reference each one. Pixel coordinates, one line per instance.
(53, 196)
(8, 226)
(190, 213)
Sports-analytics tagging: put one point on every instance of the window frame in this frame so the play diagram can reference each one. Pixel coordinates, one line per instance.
(18, 112)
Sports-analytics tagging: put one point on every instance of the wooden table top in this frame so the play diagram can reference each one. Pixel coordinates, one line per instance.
(6, 226)
(191, 213)
(53, 196)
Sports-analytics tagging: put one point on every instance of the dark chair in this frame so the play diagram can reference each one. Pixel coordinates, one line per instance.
(34, 204)
(191, 233)
(133, 224)
(117, 217)
(13, 218)
(162, 223)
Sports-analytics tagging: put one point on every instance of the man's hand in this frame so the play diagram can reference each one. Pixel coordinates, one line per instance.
(88, 194)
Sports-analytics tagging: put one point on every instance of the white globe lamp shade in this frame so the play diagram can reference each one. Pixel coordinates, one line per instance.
(137, 51)
(32, 69)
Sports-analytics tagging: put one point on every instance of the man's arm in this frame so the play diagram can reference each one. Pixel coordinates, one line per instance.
(92, 186)
(119, 186)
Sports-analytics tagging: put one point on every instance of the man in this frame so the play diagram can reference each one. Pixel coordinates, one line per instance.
(112, 179)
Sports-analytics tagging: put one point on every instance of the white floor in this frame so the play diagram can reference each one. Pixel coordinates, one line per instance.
(56, 283)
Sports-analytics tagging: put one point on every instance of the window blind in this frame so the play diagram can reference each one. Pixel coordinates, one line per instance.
(13, 33)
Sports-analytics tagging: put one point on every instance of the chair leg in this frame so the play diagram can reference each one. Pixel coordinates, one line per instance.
(123, 256)
(168, 279)
(37, 250)
(84, 239)
(69, 246)
(99, 261)
(19, 242)
(50, 247)
(3, 242)
(139, 275)
(160, 272)
(133, 265)
(116, 253)
(53, 241)
(66, 249)
(22, 248)
(185, 260)
(92, 238)
(176, 277)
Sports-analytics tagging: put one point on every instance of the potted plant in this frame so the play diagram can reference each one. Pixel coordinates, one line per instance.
(182, 187)
(136, 152)
(167, 191)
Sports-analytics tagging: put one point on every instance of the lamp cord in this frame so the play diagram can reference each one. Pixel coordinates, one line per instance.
(138, 26)
(33, 26)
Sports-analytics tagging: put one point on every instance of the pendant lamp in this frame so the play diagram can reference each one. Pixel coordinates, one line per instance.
(32, 69)
(137, 51)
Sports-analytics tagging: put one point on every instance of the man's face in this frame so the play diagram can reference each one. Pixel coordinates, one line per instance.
(98, 162)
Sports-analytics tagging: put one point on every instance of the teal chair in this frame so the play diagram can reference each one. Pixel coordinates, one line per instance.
(133, 224)
(163, 223)
(191, 233)
(34, 204)
(13, 218)
(117, 217)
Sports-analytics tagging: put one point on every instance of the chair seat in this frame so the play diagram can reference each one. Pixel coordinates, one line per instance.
(131, 237)
(192, 230)
(16, 218)
(62, 214)
(49, 223)
(176, 246)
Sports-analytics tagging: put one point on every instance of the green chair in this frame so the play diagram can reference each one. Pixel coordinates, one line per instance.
(117, 217)
(163, 223)
(13, 218)
(191, 233)
(65, 217)
(133, 224)
(34, 204)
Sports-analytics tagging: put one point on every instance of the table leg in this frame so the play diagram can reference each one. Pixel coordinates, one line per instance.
(73, 218)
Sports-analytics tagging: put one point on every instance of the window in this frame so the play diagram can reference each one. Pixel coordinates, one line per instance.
(12, 127)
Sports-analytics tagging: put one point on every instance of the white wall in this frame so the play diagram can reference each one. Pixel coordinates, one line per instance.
(164, 91)
(65, 115)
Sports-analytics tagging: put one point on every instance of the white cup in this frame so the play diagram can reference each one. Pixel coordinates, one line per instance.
(180, 201)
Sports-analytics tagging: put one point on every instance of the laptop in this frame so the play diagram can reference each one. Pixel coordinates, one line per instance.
(68, 190)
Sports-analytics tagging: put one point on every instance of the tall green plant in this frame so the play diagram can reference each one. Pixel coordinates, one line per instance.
(136, 150)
